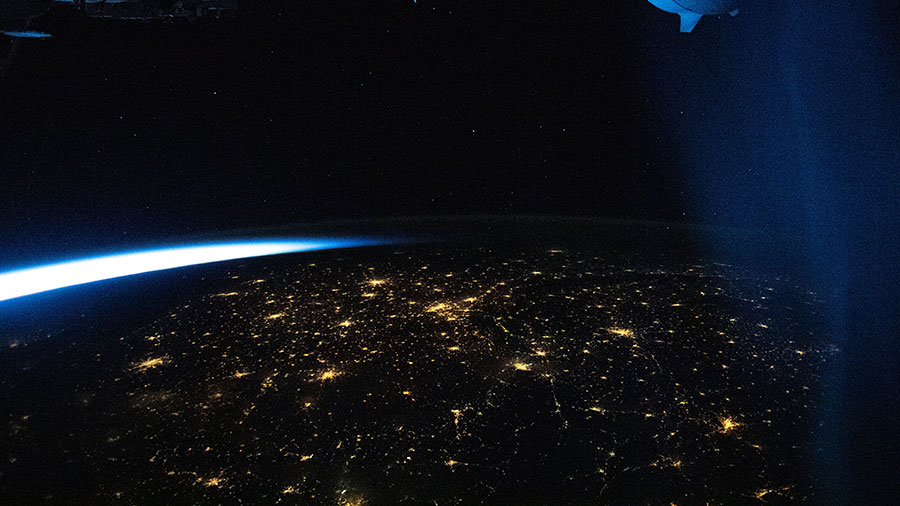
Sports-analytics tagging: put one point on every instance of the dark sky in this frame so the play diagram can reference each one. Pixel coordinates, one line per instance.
(344, 110)
(341, 111)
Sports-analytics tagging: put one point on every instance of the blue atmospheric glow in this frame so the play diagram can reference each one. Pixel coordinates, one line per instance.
(28, 34)
(38, 279)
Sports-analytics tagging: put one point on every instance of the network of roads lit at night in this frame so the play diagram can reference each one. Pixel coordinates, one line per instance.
(438, 377)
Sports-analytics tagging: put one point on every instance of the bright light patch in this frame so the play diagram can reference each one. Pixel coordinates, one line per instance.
(50, 277)
(27, 34)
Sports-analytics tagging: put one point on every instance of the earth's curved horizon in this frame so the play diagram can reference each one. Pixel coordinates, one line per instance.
(433, 374)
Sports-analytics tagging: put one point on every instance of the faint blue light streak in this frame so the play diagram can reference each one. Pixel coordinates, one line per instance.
(27, 34)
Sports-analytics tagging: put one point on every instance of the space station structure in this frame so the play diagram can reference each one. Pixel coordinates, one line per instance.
(691, 11)
(16, 16)
(157, 9)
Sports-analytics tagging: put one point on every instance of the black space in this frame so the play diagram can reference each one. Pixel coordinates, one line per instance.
(297, 111)
(333, 110)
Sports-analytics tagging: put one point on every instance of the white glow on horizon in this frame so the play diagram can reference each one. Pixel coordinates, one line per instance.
(20, 283)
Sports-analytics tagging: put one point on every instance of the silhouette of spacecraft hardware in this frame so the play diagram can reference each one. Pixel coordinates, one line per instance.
(157, 9)
(691, 11)
(16, 15)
